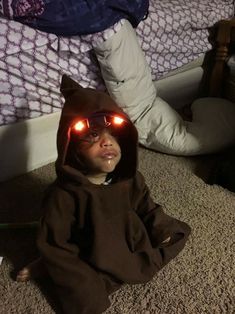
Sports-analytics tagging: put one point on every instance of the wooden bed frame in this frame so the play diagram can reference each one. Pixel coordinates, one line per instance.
(224, 43)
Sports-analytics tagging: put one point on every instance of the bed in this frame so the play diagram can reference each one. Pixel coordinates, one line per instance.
(174, 39)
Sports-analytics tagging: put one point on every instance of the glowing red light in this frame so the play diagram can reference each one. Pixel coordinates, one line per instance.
(79, 126)
(117, 120)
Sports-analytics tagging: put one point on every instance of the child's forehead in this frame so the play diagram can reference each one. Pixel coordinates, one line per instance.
(99, 121)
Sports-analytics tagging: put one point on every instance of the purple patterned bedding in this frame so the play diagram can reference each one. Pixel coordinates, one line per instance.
(32, 62)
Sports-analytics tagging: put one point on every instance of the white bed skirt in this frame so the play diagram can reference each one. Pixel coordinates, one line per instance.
(182, 88)
(27, 145)
(30, 144)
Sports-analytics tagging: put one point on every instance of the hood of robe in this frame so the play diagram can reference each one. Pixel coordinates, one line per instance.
(83, 103)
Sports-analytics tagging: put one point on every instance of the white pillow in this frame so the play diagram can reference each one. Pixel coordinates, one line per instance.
(128, 79)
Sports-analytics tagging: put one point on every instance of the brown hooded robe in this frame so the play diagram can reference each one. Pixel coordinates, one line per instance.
(93, 238)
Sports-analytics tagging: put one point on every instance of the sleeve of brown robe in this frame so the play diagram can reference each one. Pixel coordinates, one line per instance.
(159, 225)
(80, 289)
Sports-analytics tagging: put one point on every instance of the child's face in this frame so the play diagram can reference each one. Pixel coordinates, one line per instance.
(103, 154)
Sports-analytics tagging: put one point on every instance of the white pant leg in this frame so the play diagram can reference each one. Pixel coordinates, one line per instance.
(126, 73)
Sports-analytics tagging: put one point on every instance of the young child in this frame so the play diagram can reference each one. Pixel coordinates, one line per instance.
(101, 229)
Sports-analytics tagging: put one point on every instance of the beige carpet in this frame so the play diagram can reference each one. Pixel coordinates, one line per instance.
(200, 280)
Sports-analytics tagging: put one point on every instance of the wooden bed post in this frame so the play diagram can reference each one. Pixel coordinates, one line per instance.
(223, 39)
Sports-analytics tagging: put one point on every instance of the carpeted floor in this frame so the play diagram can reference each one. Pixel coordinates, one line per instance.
(200, 280)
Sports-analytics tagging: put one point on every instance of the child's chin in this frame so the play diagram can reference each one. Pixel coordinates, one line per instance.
(109, 166)
(108, 169)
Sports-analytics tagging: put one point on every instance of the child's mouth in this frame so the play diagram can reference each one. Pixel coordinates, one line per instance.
(109, 154)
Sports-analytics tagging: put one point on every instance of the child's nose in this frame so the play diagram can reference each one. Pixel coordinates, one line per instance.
(106, 139)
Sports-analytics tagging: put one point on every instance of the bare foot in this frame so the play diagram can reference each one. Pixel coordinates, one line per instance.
(31, 271)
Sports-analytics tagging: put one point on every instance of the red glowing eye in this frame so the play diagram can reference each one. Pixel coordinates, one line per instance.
(118, 120)
(79, 126)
